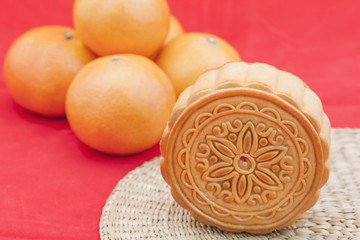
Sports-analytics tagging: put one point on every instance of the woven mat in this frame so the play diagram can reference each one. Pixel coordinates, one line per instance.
(141, 206)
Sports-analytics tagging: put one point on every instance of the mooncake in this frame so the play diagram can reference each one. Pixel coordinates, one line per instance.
(246, 148)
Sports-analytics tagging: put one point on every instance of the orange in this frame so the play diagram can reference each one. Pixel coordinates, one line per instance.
(175, 30)
(120, 104)
(185, 58)
(113, 27)
(41, 64)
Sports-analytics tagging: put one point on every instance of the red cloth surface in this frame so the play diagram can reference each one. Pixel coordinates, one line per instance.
(54, 187)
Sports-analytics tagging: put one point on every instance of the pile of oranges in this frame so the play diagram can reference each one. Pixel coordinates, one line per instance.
(117, 76)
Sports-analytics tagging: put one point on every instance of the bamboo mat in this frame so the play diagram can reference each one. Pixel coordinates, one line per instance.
(141, 206)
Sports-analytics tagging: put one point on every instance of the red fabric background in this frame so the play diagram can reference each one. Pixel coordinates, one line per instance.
(54, 187)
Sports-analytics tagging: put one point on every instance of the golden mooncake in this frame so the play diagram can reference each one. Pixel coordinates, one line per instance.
(246, 148)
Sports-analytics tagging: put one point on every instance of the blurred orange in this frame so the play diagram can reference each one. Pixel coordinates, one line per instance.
(41, 64)
(175, 30)
(186, 57)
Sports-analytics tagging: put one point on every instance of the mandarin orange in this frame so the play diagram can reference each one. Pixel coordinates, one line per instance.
(41, 64)
(113, 27)
(120, 104)
(175, 30)
(185, 58)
